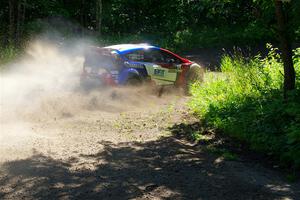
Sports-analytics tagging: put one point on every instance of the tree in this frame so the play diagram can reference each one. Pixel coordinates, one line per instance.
(20, 19)
(11, 30)
(286, 50)
(99, 16)
(17, 10)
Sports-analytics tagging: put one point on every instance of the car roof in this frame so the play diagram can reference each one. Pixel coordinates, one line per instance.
(124, 48)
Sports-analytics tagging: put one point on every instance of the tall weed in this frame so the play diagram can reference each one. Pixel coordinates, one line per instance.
(246, 102)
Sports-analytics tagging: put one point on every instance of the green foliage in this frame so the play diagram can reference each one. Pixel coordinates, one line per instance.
(198, 136)
(220, 36)
(177, 24)
(229, 156)
(245, 101)
(188, 38)
(8, 54)
(224, 153)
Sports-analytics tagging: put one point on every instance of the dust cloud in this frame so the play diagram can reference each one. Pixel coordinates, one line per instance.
(43, 71)
(43, 86)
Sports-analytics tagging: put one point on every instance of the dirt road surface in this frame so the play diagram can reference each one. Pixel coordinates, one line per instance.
(118, 144)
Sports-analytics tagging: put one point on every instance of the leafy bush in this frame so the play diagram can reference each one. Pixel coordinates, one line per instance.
(246, 102)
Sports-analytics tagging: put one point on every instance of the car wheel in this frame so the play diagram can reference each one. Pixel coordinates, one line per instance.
(195, 74)
(134, 81)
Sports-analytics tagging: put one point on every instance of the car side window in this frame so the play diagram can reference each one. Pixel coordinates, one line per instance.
(152, 55)
(137, 55)
(169, 58)
(159, 56)
(156, 56)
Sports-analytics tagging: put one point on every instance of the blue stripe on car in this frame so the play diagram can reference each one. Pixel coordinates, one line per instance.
(125, 51)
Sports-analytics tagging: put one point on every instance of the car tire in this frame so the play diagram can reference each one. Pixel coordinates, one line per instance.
(194, 74)
(134, 81)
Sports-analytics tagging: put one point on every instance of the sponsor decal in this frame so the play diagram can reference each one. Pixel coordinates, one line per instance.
(134, 65)
(159, 72)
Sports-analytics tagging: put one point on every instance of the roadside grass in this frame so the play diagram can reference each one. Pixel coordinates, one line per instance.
(199, 137)
(245, 102)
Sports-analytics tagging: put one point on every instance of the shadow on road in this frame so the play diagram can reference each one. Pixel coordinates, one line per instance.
(168, 168)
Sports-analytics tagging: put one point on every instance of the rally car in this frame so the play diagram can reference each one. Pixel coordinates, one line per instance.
(133, 64)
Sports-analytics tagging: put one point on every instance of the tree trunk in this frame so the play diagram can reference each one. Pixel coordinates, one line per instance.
(286, 50)
(11, 28)
(18, 23)
(19, 20)
(99, 16)
(23, 17)
(82, 18)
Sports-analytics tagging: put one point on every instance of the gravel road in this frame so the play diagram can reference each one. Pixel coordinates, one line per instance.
(121, 144)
